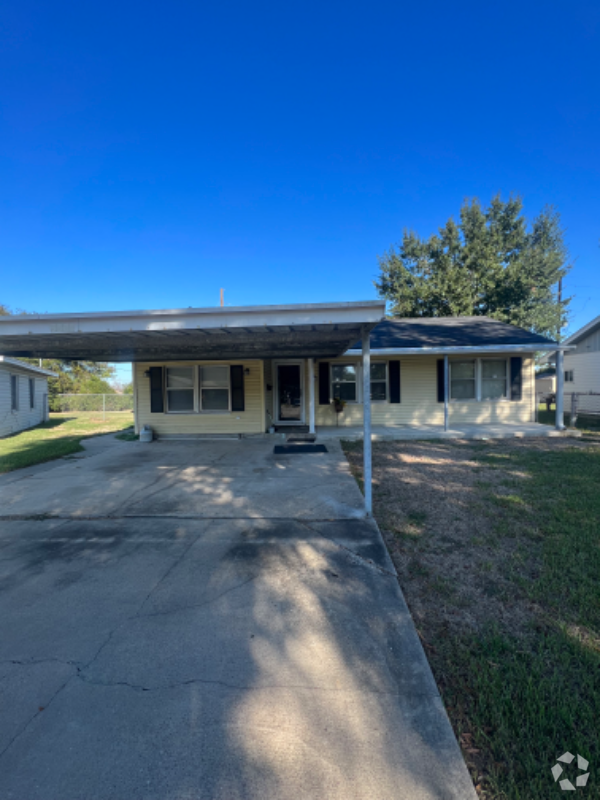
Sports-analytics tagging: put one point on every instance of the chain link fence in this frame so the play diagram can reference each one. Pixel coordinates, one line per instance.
(582, 404)
(578, 406)
(91, 403)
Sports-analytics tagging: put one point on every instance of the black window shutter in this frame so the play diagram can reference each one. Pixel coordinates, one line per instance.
(440, 380)
(156, 390)
(323, 383)
(394, 374)
(237, 387)
(516, 378)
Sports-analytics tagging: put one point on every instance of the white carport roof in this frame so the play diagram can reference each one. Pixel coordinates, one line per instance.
(317, 330)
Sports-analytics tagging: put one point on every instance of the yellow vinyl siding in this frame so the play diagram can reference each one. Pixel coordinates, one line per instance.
(251, 420)
(419, 406)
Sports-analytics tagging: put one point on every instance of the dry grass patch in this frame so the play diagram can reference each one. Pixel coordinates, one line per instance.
(497, 547)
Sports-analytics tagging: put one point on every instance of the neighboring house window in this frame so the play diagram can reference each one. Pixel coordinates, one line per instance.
(180, 389)
(378, 382)
(31, 392)
(462, 380)
(214, 388)
(493, 379)
(569, 376)
(14, 392)
(343, 382)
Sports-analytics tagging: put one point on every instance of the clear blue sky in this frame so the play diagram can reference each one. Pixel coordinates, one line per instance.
(151, 153)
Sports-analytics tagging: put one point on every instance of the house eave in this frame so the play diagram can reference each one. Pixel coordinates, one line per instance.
(583, 332)
(15, 362)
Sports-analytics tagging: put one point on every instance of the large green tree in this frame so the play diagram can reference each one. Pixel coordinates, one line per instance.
(493, 263)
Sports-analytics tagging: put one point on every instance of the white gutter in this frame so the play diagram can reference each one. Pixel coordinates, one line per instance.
(17, 363)
(493, 348)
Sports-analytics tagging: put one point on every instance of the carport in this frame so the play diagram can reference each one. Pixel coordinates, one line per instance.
(217, 621)
(310, 331)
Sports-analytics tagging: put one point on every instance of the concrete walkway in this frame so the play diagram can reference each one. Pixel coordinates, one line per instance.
(148, 654)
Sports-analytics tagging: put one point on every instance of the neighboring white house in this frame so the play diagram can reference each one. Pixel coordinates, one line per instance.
(23, 395)
(582, 367)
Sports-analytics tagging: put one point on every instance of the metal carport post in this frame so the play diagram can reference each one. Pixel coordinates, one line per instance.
(559, 421)
(367, 458)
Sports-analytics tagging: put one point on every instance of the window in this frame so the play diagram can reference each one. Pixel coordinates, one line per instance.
(493, 378)
(214, 388)
(180, 389)
(462, 380)
(31, 392)
(343, 382)
(14, 392)
(378, 382)
(569, 376)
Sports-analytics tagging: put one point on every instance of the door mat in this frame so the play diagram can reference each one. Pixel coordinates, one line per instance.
(291, 428)
(288, 449)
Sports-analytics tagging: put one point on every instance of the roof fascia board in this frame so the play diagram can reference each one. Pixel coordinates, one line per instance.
(495, 348)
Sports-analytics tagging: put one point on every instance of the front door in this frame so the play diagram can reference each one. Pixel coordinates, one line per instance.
(289, 393)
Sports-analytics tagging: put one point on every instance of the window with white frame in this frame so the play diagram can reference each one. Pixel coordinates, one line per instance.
(31, 392)
(180, 389)
(214, 388)
(493, 378)
(463, 380)
(378, 382)
(14, 392)
(343, 382)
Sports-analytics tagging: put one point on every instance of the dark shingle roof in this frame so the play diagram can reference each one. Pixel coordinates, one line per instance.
(449, 332)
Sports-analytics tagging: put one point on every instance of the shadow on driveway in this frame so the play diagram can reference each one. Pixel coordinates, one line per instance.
(213, 658)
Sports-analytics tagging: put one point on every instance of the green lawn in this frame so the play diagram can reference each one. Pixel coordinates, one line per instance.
(60, 436)
(497, 547)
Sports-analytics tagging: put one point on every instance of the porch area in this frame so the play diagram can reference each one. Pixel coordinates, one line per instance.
(387, 433)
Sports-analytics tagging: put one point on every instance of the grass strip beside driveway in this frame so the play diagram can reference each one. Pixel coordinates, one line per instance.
(497, 546)
(60, 436)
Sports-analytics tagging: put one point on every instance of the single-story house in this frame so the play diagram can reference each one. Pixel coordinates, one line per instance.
(222, 371)
(23, 395)
(241, 371)
(491, 379)
(581, 368)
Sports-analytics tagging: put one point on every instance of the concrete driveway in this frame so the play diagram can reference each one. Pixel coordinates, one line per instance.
(175, 625)
(202, 478)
